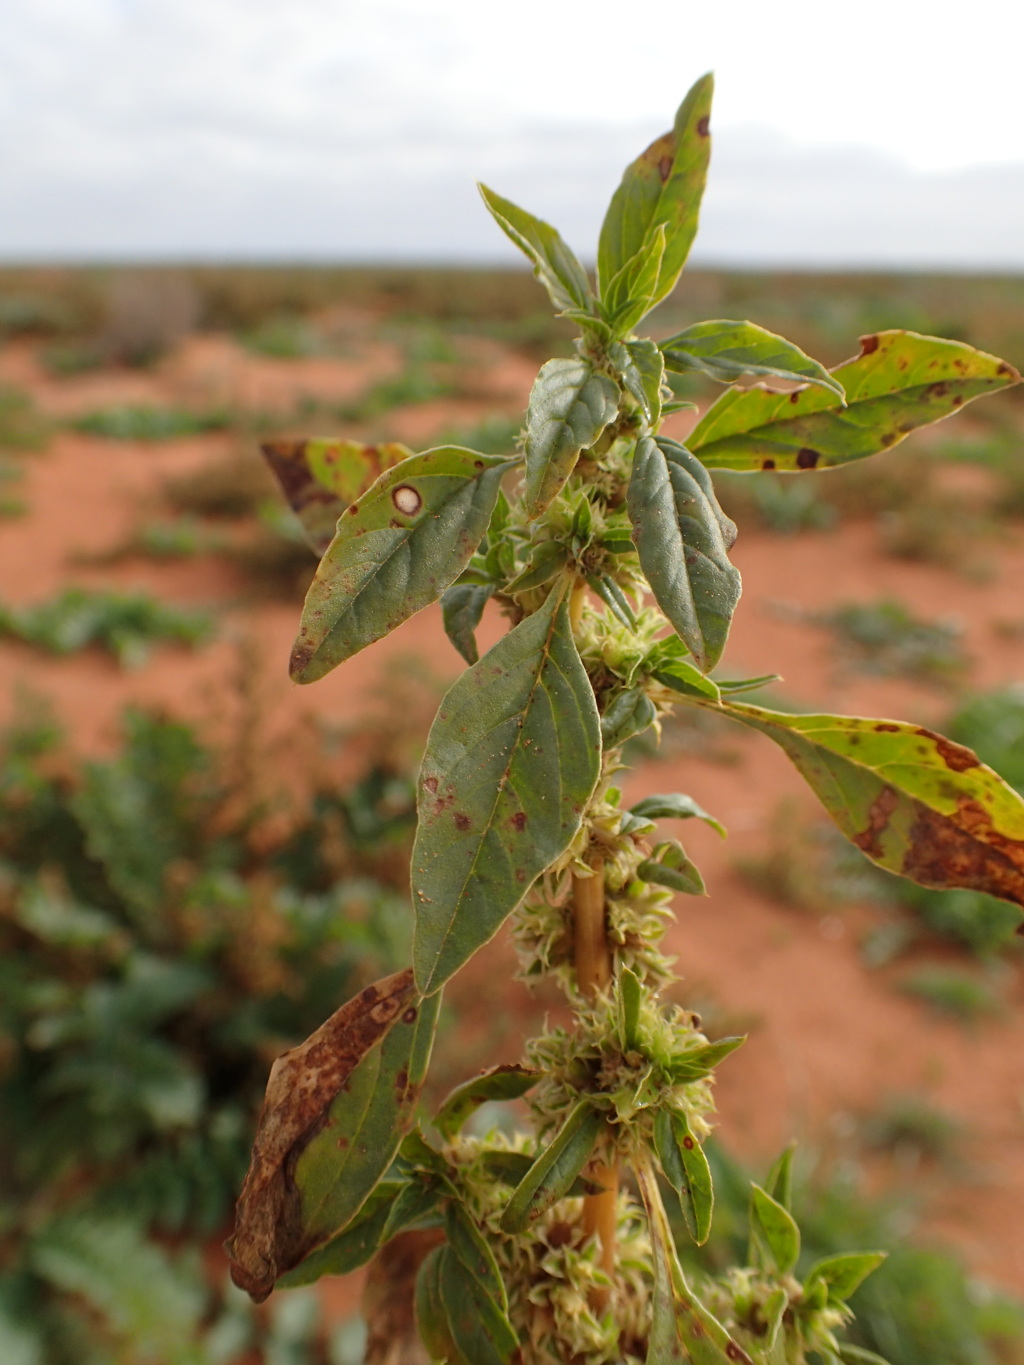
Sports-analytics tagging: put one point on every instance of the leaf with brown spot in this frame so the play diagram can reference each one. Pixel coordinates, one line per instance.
(518, 734)
(319, 478)
(662, 187)
(899, 382)
(913, 801)
(396, 550)
(335, 1111)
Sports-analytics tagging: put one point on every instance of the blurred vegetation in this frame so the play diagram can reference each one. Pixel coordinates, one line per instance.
(126, 625)
(886, 639)
(125, 423)
(919, 1308)
(169, 923)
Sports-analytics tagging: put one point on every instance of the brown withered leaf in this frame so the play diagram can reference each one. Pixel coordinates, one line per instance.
(270, 1233)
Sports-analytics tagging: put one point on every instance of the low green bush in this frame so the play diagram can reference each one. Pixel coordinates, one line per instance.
(125, 422)
(164, 933)
(126, 625)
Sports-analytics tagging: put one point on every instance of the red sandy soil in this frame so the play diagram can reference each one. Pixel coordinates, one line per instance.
(830, 1039)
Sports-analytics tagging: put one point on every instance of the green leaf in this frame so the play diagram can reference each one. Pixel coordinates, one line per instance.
(705, 1339)
(335, 1112)
(508, 1082)
(613, 597)
(900, 381)
(630, 996)
(914, 802)
(469, 1245)
(780, 1178)
(554, 1171)
(420, 1155)
(478, 1325)
(642, 367)
(664, 1345)
(509, 1168)
(773, 1230)
(674, 806)
(554, 263)
(462, 606)
(669, 666)
(570, 405)
(630, 714)
(664, 185)
(700, 1061)
(545, 561)
(726, 350)
(319, 478)
(669, 866)
(844, 1274)
(859, 1355)
(632, 293)
(682, 537)
(431, 1318)
(512, 759)
(353, 1247)
(686, 1169)
(734, 685)
(416, 1207)
(396, 550)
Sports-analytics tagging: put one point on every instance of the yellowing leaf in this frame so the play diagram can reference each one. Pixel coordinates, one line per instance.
(319, 478)
(900, 381)
(914, 802)
(662, 187)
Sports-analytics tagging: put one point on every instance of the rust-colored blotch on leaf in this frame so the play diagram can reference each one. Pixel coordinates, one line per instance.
(303, 1084)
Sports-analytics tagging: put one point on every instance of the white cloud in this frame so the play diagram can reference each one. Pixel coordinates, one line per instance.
(356, 127)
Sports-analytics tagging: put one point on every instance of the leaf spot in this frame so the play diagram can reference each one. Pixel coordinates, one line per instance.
(955, 756)
(462, 821)
(878, 820)
(518, 821)
(407, 499)
(430, 783)
(703, 126)
(665, 168)
(807, 458)
(767, 464)
(688, 1143)
(868, 345)
(884, 727)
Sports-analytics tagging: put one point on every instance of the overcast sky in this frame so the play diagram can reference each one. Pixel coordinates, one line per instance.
(875, 133)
